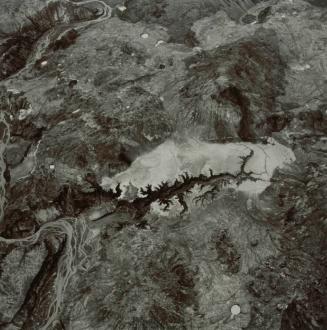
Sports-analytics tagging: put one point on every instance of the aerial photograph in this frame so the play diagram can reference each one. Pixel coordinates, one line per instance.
(163, 164)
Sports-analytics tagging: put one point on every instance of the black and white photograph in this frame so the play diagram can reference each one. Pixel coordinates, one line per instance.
(163, 164)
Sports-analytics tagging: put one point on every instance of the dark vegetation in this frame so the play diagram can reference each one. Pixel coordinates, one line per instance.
(264, 14)
(227, 253)
(235, 96)
(255, 74)
(176, 280)
(294, 283)
(16, 47)
(36, 304)
(65, 41)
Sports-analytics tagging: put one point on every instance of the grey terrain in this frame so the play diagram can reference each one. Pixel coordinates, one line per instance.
(163, 164)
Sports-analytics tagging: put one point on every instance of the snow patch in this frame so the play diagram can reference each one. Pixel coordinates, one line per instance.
(23, 113)
(44, 63)
(122, 8)
(235, 309)
(89, 121)
(300, 67)
(170, 159)
(159, 43)
(144, 35)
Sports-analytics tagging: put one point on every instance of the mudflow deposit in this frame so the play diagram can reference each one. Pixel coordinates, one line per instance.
(163, 164)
